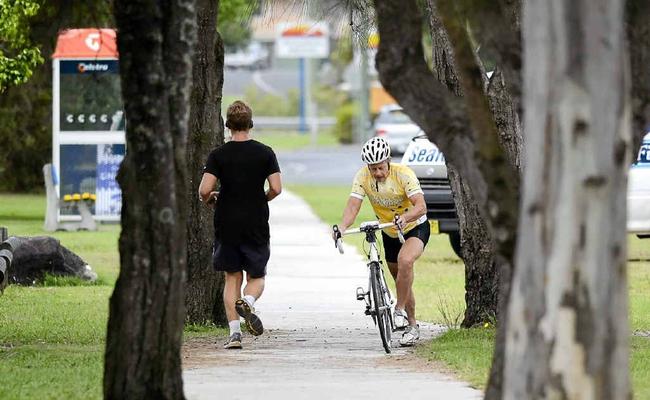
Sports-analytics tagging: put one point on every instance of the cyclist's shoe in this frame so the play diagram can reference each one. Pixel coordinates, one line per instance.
(246, 311)
(410, 336)
(234, 341)
(400, 320)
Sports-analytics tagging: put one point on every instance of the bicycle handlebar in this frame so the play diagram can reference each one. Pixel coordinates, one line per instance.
(369, 226)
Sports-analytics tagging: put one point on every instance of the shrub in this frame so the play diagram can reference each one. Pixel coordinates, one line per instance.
(269, 105)
(345, 117)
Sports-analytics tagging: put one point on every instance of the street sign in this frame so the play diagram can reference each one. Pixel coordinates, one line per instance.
(302, 40)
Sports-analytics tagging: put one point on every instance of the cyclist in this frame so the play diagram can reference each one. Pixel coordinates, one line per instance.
(395, 195)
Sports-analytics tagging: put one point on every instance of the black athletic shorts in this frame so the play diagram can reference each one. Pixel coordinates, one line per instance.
(248, 257)
(392, 246)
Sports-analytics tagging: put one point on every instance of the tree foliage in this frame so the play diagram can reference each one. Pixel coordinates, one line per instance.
(18, 55)
(234, 22)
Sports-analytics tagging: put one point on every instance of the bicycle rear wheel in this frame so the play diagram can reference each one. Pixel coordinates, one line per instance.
(382, 310)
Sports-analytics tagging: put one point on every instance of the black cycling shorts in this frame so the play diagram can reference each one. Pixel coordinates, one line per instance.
(248, 257)
(392, 246)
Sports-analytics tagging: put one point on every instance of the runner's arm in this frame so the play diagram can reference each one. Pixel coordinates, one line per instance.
(207, 194)
(275, 186)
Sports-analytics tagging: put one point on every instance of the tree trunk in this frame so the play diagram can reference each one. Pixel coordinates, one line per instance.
(145, 325)
(638, 34)
(481, 270)
(567, 334)
(477, 248)
(204, 290)
(504, 109)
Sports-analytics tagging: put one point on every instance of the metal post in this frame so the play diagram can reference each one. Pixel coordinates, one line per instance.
(311, 106)
(301, 72)
(3, 234)
(52, 200)
(364, 118)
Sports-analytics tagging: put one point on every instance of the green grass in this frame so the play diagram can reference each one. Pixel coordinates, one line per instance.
(640, 350)
(52, 335)
(51, 371)
(291, 141)
(439, 285)
(59, 315)
(458, 346)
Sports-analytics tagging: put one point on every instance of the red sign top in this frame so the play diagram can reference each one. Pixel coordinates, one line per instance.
(86, 43)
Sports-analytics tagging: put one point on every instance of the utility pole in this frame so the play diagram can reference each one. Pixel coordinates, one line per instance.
(364, 118)
(303, 95)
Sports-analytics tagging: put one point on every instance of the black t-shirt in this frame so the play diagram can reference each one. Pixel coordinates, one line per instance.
(242, 212)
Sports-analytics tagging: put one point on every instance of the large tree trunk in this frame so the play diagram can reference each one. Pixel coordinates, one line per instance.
(145, 325)
(481, 269)
(204, 290)
(504, 41)
(567, 335)
(477, 248)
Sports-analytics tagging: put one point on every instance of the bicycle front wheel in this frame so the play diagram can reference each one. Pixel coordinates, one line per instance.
(382, 310)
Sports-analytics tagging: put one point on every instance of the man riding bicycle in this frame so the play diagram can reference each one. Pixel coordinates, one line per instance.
(395, 195)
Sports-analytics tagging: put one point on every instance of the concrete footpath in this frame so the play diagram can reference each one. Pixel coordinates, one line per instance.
(318, 344)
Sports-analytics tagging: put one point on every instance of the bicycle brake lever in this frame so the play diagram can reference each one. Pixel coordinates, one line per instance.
(337, 234)
(338, 243)
(400, 235)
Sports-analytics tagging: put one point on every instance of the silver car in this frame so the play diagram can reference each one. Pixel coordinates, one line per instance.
(396, 127)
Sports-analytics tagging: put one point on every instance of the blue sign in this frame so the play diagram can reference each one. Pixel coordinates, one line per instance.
(109, 195)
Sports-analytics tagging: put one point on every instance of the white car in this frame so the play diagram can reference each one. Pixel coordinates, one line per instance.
(638, 192)
(396, 127)
(254, 56)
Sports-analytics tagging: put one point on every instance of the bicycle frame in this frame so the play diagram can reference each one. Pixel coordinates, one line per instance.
(378, 298)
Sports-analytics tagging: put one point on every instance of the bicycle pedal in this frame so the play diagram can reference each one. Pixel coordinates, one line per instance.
(360, 294)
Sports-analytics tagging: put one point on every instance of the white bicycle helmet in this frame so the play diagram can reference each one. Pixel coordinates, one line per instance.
(375, 151)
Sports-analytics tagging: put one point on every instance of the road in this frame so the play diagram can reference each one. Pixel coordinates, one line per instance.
(323, 166)
(271, 80)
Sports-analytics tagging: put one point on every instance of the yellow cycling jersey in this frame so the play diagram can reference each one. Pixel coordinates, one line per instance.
(391, 197)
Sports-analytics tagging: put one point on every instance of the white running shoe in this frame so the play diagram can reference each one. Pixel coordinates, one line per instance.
(400, 319)
(410, 336)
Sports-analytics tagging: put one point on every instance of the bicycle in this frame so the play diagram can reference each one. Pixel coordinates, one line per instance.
(378, 298)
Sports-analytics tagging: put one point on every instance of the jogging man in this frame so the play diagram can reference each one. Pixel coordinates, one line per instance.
(393, 190)
(241, 218)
